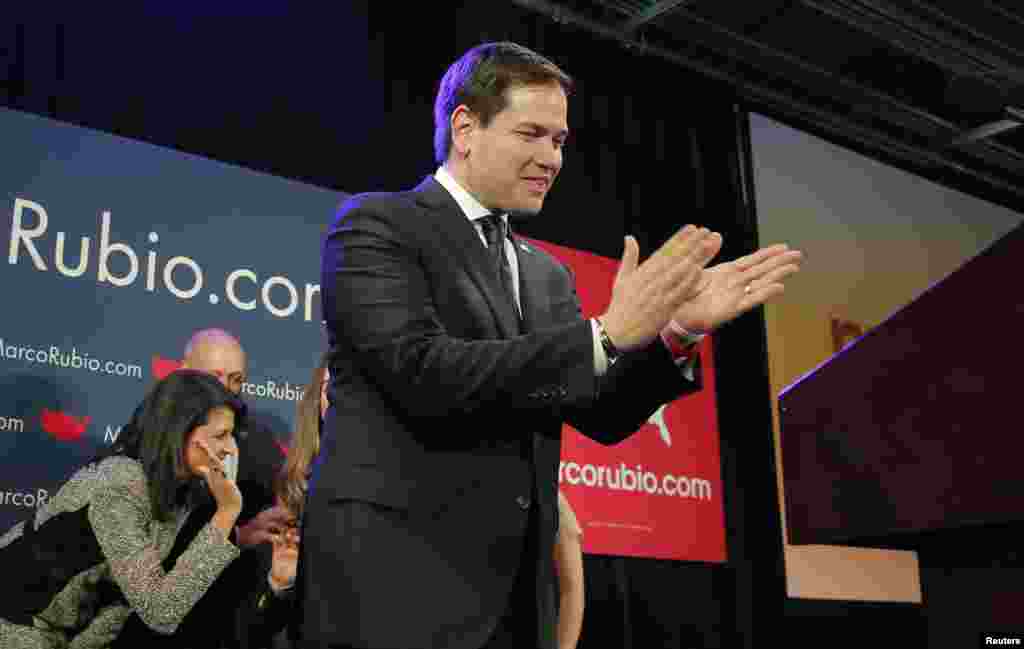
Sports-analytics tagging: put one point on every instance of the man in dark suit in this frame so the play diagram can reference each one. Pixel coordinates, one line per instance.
(457, 351)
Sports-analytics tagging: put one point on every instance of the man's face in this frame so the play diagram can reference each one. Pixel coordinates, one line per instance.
(514, 160)
(225, 361)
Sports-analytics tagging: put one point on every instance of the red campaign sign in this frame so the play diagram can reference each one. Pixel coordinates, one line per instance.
(657, 494)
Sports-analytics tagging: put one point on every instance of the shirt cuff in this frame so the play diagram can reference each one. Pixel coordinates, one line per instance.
(600, 358)
(683, 347)
(688, 368)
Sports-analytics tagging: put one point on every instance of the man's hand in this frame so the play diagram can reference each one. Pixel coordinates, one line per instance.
(265, 527)
(645, 296)
(733, 288)
(285, 559)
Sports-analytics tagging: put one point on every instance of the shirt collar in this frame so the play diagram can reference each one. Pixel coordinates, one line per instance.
(467, 203)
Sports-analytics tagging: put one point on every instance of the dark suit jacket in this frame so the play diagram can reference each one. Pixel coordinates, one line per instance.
(444, 426)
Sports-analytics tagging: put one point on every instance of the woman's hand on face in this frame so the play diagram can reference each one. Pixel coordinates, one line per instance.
(224, 490)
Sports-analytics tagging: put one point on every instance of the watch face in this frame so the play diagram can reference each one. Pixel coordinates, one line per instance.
(610, 349)
(610, 353)
(609, 346)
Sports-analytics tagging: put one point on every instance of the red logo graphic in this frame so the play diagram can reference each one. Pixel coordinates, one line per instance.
(161, 367)
(658, 419)
(670, 462)
(64, 427)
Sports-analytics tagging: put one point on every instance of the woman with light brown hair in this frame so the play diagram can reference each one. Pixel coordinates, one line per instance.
(305, 443)
(569, 569)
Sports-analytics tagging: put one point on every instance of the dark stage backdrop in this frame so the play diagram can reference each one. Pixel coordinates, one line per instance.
(342, 98)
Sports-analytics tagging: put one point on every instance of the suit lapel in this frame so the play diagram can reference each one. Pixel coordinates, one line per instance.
(468, 251)
(535, 304)
(533, 299)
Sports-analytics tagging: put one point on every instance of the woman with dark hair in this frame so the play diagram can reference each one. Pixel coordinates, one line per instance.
(133, 545)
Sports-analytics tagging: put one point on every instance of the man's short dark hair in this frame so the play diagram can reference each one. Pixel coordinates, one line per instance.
(479, 80)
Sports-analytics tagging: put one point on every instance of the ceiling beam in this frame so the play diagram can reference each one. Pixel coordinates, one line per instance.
(794, 107)
(788, 69)
(652, 12)
(943, 51)
(985, 131)
(952, 24)
(1014, 118)
(1003, 12)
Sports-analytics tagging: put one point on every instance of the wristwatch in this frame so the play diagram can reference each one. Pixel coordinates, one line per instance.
(611, 352)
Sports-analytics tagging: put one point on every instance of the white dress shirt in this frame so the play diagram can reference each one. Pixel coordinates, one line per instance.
(474, 211)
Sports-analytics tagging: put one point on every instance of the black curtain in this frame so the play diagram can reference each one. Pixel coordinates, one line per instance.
(342, 98)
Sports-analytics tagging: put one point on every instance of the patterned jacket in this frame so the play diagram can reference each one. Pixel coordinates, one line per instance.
(94, 555)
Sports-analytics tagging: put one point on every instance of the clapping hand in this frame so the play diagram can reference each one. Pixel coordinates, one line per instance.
(645, 296)
(732, 288)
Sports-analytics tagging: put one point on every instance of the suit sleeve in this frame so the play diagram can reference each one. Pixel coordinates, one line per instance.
(379, 301)
(631, 390)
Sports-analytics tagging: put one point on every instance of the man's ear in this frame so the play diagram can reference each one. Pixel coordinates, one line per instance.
(463, 124)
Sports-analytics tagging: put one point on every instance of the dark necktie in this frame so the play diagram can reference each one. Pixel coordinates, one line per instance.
(495, 231)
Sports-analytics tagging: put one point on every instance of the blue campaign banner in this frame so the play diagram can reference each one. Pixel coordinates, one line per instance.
(117, 251)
